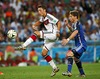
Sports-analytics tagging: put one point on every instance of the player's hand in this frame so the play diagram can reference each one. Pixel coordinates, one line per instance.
(64, 42)
(66, 22)
(58, 35)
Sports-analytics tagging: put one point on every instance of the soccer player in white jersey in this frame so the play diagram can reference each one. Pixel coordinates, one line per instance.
(51, 34)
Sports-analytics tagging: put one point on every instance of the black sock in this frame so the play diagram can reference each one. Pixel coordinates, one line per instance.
(79, 65)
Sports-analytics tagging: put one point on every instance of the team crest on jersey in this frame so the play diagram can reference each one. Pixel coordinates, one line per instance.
(46, 22)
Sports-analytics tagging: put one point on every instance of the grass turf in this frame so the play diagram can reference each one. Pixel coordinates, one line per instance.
(43, 72)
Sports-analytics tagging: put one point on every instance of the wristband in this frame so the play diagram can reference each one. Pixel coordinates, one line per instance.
(68, 39)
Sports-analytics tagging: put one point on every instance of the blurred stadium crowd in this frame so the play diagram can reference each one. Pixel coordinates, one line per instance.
(21, 14)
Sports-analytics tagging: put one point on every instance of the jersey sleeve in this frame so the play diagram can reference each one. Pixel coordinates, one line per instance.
(55, 20)
(41, 19)
(76, 27)
(52, 19)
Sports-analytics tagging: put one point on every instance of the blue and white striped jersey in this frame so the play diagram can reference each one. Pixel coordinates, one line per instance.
(79, 38)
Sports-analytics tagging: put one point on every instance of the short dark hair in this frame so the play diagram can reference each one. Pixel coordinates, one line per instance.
(42, 6)
(74, 13)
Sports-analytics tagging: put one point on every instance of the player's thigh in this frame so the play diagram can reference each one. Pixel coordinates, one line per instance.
(78, 52)
(37, 33)
(44, 52)
(48, 45)
(50, 36)
(80, 49)
(76, 59)
(69, 54)
(47, 35)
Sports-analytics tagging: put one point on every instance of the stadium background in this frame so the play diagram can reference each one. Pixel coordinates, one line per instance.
(21, 14)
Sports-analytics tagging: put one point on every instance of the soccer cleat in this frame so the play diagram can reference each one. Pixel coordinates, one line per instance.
(19, 48)
(54, 71)
(83, 75)
(1, 73)
(67, 74)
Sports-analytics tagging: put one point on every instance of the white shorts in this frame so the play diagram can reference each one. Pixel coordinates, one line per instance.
(49, 39)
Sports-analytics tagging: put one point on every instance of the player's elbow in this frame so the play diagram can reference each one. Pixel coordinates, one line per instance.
(76, 32)
(59, 25)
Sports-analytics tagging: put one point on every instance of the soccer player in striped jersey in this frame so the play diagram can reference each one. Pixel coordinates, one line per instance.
(50, 35)
(80, 43)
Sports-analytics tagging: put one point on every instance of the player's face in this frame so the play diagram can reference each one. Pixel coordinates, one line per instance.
(41, 11)
(71, 18)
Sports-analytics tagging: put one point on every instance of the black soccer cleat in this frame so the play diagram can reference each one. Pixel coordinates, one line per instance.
(19, 48)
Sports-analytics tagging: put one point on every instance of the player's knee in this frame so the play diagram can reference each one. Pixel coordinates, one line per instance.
(44, 52)
(70, 60)
(37, 33)
(70, 54)
(76, 60)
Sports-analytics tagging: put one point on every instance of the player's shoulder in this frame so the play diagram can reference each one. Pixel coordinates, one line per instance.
(78, 24)
(50, 16)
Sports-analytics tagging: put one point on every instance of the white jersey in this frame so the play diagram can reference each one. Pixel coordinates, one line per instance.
(49, 22)
(51, 29)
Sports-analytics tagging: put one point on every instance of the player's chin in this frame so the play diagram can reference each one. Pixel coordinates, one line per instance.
(41, 14)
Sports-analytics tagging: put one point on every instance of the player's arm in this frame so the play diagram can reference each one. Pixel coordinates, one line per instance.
(34, 26)
(58, 25)
(73, 35)
(65, 41)
(70, 28)
(58, 28)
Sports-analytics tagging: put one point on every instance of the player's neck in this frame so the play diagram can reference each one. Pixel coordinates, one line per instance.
(75, 20)
(45, 14)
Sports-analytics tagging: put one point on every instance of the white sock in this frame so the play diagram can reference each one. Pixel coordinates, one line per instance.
(27, 42)
(52, 64)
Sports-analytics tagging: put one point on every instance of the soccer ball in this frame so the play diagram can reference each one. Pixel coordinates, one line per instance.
(12, 34)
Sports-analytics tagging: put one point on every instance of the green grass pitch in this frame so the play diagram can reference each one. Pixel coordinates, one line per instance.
(43, 72)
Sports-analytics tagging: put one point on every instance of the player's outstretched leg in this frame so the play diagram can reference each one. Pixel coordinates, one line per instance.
(27, 42)
(20, 48)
